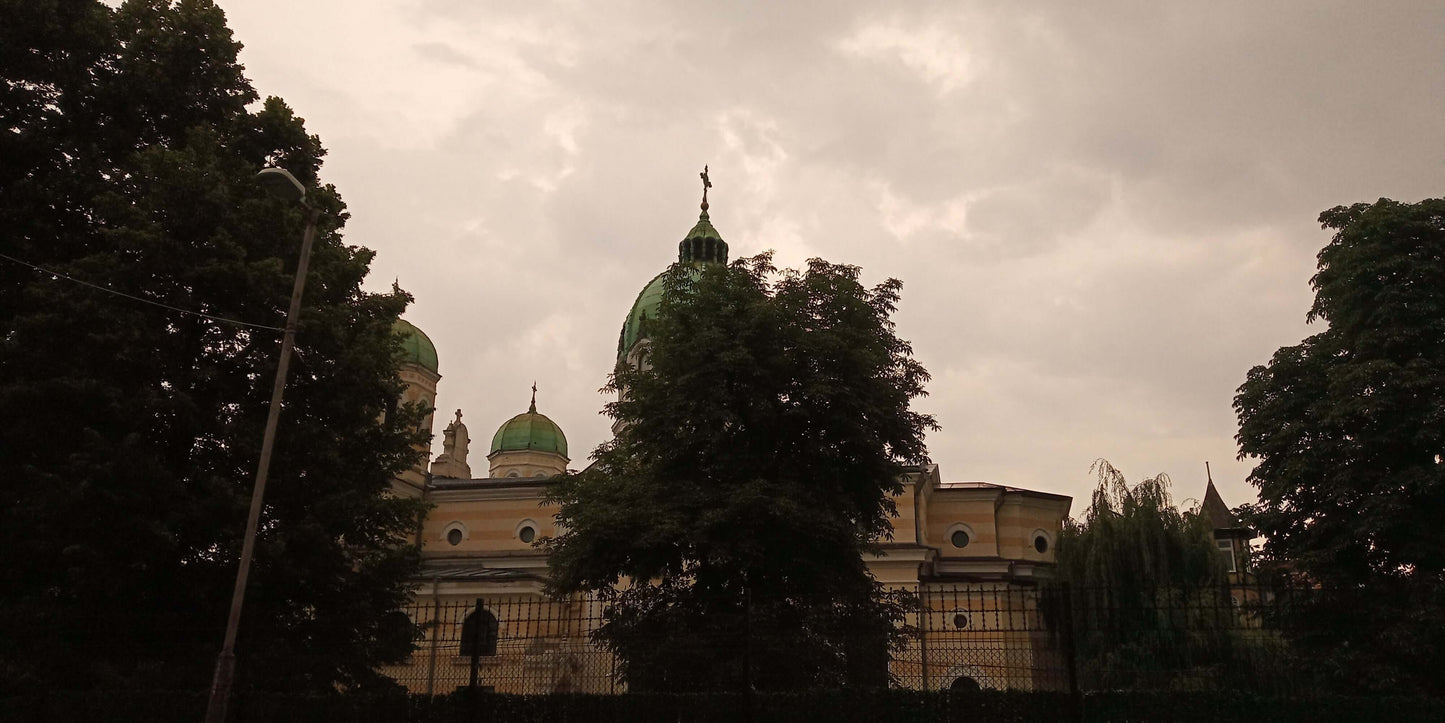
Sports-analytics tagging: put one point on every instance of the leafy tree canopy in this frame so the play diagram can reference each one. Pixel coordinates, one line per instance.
(1133, 538)
(1348, 428)
(1144, 588)
(760, 443)
(130, 431)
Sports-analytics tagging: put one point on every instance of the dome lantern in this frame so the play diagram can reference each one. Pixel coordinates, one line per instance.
(702, 245)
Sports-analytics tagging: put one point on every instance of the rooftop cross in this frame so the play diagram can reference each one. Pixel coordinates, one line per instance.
(533, 408)
(706, 184)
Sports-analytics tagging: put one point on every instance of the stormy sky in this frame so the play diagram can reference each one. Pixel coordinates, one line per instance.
(1103, 213)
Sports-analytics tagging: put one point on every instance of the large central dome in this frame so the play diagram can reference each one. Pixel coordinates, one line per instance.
(702, 245)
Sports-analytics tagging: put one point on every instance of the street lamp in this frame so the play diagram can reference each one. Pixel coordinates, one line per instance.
(281, 183)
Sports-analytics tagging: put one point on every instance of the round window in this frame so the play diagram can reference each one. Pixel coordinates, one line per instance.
(454, 536)
(960, 620)
(960, 539)
(1041, 544)
(528, 534)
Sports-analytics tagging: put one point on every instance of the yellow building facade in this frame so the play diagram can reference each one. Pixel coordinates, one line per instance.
(980, 541)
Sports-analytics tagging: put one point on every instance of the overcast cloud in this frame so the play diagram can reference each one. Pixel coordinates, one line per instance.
(1103, 213)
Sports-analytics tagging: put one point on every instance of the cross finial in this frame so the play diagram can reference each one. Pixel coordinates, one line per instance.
(706, 184)
(533, 408)
(459, 416)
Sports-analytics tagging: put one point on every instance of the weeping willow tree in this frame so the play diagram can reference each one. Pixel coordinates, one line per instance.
(1144, 588)
(1133, 537)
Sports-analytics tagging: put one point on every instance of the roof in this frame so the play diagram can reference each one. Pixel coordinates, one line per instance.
(472, 572)
(1214, 508)
(1005, 488)
(457, 483)
(529, 430)
(416, 347)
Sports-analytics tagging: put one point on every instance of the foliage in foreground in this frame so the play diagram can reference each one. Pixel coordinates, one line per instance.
(131, 432)
(863, 706)
(1348, 428)
(1145, 586)
(760, 444)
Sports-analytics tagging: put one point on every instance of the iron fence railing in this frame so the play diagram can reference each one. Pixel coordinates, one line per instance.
(988, 635)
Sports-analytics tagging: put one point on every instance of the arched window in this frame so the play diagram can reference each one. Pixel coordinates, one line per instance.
(964, 683)
(486, 636)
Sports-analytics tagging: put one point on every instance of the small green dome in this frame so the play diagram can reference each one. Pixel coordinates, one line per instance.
(529, 431)
(415, 346)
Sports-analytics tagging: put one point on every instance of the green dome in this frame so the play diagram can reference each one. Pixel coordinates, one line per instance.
(529, 431)
(416, 348)
(643, 310)
(702, 245)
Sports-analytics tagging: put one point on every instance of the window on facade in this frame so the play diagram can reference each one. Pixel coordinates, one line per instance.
(1041, 544)
(527, 534)
(454, 536)
(1226, 555)
(479, 632)
(959, 539)
(960, 620)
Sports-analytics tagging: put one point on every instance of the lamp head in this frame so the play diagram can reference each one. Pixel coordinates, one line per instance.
(281, 183)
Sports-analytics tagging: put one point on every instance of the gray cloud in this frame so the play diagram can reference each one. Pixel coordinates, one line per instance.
(1103, 213)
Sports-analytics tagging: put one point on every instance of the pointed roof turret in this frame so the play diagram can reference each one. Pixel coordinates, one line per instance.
(1213, 505)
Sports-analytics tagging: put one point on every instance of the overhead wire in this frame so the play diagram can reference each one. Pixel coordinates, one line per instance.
(143, 300)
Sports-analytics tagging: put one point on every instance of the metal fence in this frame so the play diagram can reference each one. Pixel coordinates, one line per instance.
(983, 635)
(508, 644)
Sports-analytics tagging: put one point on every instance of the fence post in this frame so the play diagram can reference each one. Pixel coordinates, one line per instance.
(436, 632)
(477, 623)
(923, 617)
(1071, 658)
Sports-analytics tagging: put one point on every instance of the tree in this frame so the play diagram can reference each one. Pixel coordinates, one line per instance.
(760, 444)
(1134, 538)
(1143, 580)
(1348, 428)
(130, 429)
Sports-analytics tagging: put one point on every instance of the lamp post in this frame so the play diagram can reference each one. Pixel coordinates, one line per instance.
(284, 184)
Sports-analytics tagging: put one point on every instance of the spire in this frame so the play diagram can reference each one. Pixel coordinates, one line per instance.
(533, 409)
(1213, 505)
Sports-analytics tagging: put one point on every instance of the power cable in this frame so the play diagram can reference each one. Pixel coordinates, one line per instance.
(141, 299)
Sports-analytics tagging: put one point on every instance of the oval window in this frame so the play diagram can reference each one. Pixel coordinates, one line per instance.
(454, 536)
(528, 534)
(1041, 544)
(959, 539)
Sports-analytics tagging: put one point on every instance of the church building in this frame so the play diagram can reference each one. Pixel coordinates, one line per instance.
(479, 539)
